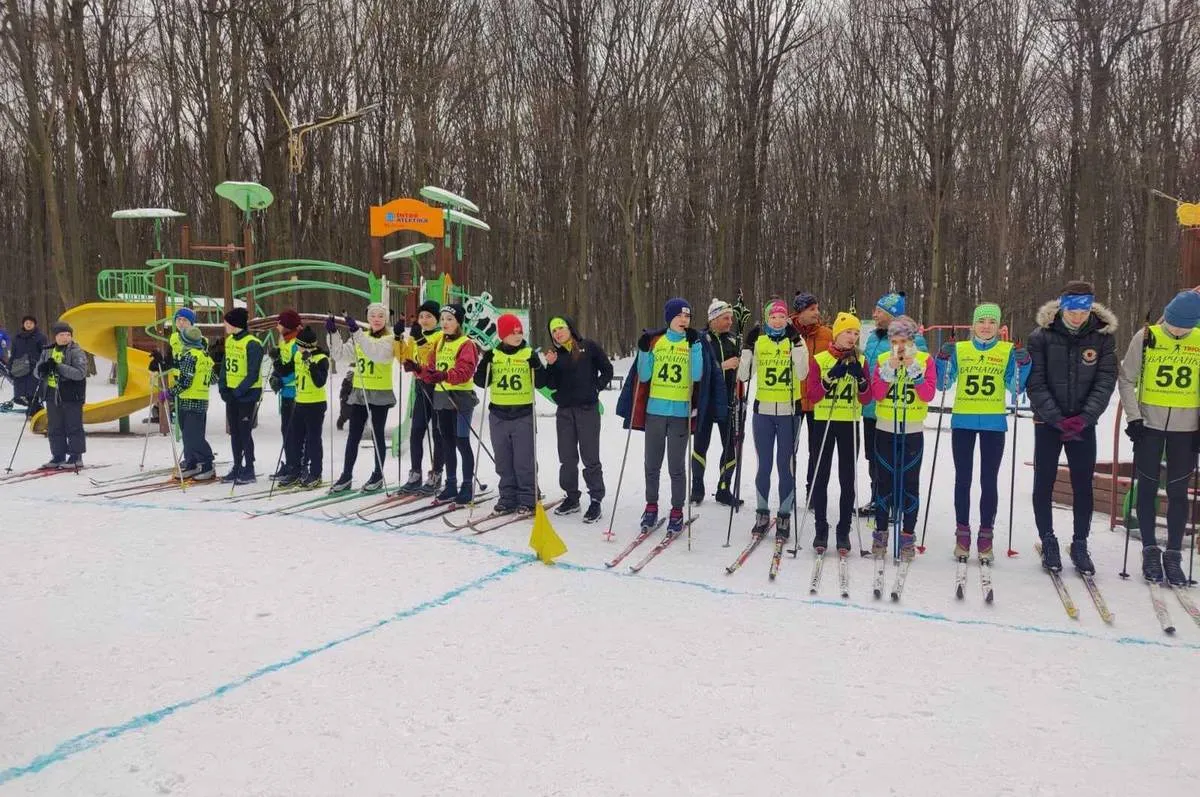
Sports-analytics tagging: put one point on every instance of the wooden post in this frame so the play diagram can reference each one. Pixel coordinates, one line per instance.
(1189, 256)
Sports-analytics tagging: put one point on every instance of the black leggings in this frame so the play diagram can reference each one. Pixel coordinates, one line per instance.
(1147, 459)
(240, 418)
(358, 424)
(454, 429)
(841, 437)
(423, 421)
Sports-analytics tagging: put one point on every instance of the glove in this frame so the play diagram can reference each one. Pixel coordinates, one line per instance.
(398, 329)
(915, 372)
(438, 376)
(351, 325)
(855, 369)
(1135, 429)
(47, 367)
(330, 325)
(838, 370)
(277, 356)
(945, 352)
(1021, 355)
(275, 382)
(306, 355)
(691, 335)
(410, 366)
(1072, 428)
(164, 396)
(644, 341)
(156, 360)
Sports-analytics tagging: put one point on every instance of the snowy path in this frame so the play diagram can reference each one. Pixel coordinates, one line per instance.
(160, 645)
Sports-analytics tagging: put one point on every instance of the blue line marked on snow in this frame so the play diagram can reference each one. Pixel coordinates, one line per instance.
(98, 736)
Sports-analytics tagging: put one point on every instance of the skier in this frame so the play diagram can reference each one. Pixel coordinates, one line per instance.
(283, 380)
(372, 352)
(5, 346)
(981, 369)
(775, 353)
(577, 369)
(839, 388)
(1158, 384)
(423, 336)
(721, 350)
(450, 368)
(1072, 379)
(889, 306)
(806, 319)
(25, 353)
(903, 382)
(240, 386)
(511, 372)
(190, 394)
(166, 368)
(344, 391)
(308, 371)
(62, 370)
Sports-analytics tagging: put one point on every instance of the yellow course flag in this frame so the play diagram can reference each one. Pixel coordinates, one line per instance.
(544, 540)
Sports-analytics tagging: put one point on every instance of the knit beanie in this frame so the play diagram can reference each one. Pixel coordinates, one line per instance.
(377, 309)
(986, 310)
(186, 312)
(844, 322)
(193, 337)
(892, 303)
(557, 323)
(238, 318)
(61, 326)
(456, 310)
(507, 324)
(902, 327)
(674, 307)
(718, 308)
(1184, 310)
(307, 339)
(431, 307)
(290, 320)
(802, 301)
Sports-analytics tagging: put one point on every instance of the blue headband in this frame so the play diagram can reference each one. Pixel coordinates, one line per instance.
(1076, 301)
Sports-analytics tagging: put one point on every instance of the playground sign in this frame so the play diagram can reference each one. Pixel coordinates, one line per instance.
(407, 214)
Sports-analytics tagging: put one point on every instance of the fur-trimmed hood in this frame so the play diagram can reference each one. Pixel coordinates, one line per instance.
(1105, 321)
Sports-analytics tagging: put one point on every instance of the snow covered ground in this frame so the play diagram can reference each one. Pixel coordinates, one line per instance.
(165, 645)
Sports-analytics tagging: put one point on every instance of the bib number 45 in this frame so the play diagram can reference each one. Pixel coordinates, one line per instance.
(909, 394)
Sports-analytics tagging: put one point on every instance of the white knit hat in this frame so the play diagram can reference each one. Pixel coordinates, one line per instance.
(718, 307)
(376, 308)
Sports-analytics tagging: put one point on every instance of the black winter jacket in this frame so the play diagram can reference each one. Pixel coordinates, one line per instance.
(580, 373)
(1073, 373)
(28, 345)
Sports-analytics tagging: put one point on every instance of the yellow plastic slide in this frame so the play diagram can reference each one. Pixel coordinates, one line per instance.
(95, 326)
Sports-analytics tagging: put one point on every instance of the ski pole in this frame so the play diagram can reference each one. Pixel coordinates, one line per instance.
(166, 408)
(862, 552)
(154, 385)
(736, 431)
(487, 380)
(608, 533)
(21, 434)
(1012, 478)
(329, 412)
(1192, 519)
(795, 549)
(937, 441)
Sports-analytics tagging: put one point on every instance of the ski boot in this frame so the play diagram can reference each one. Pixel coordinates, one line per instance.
(1152, 564)
(310, 479)
(54, 464)
(374, 483)
(879, 542)
(675, 520)
(783, 527)
(569, 506)
(188, 471)
(231, 476)
(867, 509)
(433, 482)
(288, 479)
(245, 476)
(593, 513)
(1081, 559)
(204, 473)
(908, 546)
(726, 498)
(649, 516)
(448, 493)
(466, 493)
(503, 508)
(1173, 568)
(843, 541)
(697, 497)
(342, 485)
(962, 542)
(73, 461)
(762, 522)
(985, 545)
(1051, 556)
(413, 484)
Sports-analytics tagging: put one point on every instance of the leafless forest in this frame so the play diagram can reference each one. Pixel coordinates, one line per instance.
(623, 150)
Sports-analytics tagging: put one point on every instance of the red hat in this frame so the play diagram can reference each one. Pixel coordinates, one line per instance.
(290, 319)
(507, 324)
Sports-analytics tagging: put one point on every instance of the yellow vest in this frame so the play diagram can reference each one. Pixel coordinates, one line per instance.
(671, 378)
(202, 377)
(1170, 370)
(776, 378)
(370, 375)
(175, 341)
(980, 386)
(237, 361)
(52, 378)
(512, 378)
(841, 403)
(306, 391)
(902, 404)
(447, 353)
(409, 350)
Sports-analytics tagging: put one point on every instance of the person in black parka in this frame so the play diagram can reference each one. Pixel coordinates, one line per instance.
(1073, 376)
(27, 348)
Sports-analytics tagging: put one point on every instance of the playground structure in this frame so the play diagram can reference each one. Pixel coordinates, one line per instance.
(136, 306)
